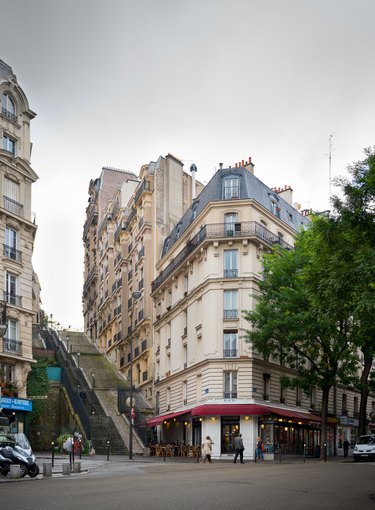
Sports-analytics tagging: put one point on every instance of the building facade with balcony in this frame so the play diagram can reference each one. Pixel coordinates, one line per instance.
(208, 380)
(128, 240)
(17, 235)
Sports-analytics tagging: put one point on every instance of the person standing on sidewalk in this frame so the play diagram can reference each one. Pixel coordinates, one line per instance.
(259, 450)
(346, 445)
(239, 447)
(207, 449)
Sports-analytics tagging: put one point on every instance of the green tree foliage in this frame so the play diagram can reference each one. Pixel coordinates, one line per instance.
(354, 218)
(302, 318)
(38, 385)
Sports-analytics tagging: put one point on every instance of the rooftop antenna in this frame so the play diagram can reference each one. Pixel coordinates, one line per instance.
(330, 163)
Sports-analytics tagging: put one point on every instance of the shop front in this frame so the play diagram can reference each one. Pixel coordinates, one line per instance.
(14, 414)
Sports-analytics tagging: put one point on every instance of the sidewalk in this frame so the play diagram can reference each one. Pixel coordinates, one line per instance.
(91, 463)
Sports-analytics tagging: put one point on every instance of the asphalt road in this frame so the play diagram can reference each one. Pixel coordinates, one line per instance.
(219, 486)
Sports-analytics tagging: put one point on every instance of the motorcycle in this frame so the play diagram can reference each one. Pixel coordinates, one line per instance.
(16, 449)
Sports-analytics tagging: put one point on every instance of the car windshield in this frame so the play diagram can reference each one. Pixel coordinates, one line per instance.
(366, 440)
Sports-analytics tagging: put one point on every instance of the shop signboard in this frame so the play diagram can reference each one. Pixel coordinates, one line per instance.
(16, 404)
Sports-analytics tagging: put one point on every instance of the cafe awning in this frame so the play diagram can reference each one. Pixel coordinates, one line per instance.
(159, 419)
(294, 414)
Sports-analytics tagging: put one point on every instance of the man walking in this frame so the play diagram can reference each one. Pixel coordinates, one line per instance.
(238, 445)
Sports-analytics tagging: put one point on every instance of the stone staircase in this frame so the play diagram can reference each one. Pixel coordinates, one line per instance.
(99, 382)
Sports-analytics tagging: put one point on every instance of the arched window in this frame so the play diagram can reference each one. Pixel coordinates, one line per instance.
(8, 107)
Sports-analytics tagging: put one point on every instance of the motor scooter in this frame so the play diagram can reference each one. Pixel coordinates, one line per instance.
(17, 450)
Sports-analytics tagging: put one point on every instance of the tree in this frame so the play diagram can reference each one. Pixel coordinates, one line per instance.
(301, 319)
(354, 215)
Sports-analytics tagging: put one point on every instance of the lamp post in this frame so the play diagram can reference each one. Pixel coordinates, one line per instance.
(136, 295)
(78, 356)
(67, 342)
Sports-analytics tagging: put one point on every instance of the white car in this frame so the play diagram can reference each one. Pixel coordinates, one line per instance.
(364, 448)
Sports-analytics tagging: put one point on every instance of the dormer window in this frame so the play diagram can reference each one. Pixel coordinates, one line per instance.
(231, 188)
(8, 108)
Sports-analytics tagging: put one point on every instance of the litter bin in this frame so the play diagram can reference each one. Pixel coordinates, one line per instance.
(317, 451)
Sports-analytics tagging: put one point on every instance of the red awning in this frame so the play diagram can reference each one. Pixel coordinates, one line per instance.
(159, 419)
(228, 409)
(294, 414)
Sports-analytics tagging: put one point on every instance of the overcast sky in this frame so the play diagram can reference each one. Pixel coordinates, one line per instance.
(118, 83)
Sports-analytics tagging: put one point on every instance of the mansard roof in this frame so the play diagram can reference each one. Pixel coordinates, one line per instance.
(251, 188)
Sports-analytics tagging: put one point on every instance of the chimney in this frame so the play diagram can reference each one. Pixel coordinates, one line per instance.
(249, 166)
(286, 193)
(193, 170)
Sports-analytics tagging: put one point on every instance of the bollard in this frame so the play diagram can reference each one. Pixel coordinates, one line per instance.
(304, 453)
(76, 467)
(325, 452)
(53, 453)
(107, 450)
(15, 471)
(66, 468)
(47, 469)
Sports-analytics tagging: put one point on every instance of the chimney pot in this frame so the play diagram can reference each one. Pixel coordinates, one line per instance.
(243, 163)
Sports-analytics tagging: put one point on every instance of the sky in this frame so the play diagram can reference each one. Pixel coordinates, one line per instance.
(120, 82)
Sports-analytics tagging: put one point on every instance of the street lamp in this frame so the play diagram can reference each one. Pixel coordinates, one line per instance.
(136, 295)
(78, 356)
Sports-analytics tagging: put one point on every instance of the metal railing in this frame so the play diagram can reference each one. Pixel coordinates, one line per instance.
(13, 206)
(12, 253)
(245, 229)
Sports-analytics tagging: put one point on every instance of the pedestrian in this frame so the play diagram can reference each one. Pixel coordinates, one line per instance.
(239, 447)
(207, 449)
(259, 449)
(346, 445)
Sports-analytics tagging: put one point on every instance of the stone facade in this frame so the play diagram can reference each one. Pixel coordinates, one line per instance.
(17, 230)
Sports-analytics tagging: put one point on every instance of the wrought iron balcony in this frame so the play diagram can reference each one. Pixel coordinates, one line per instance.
(230, 353)
(230, 394)
(12, 253)
(230, 273)
(12, 299)
(11, 346)
(9, 115)
(230, 314)
(246, 229)
(13, 206)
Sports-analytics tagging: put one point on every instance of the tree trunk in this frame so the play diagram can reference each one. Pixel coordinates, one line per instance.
(364, 393)
(323, 437)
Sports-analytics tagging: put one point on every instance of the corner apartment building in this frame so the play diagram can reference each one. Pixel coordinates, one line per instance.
(17, 234)
(208, 380)
(123, 239)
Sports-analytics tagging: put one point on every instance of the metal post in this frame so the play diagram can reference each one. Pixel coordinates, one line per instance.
(304, 453)
(73, 448)
(107, 450)
(80, 448)
(53, 454)
(136, 295)
(280, 451)
(325, 452)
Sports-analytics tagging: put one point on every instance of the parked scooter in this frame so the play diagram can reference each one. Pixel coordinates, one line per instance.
(17, 450)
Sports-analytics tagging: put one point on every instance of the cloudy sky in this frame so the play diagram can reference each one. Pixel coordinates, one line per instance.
(119, 82)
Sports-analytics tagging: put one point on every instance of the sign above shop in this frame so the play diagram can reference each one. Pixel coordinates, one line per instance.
(17, 404)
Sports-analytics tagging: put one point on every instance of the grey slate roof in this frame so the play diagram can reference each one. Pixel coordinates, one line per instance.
(250, 187)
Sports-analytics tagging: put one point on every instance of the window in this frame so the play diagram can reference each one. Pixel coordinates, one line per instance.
(11, 289)
(266, 386)
(230, 263)
(298, 396)
(12, 189)
(11, 343)
(230, 304)
(231, 188)
(7, 107)
(344, 406)
(9, 144)
(230, 219)
(184, 392)
(230, 384)
(356, 409)
(230, 344)
(10, 248)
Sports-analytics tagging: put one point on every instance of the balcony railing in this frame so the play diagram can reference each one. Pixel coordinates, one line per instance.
(230, 353)
(245, 229)
(9, 115)
(12, 346)
(230, 394)
(230, 314)
(12, 253)
(230, 273)
(12, 299)
(13, 206)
